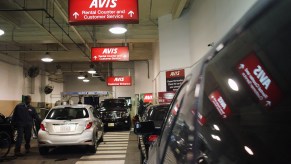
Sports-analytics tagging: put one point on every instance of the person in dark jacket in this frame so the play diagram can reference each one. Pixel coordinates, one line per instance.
(23, 116)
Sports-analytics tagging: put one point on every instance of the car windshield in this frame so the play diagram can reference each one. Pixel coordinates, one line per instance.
(114, 104)
(67, 113)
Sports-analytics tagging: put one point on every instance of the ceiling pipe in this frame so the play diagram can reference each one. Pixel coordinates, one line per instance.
(41, 26)
(32, 50)
(65, 17)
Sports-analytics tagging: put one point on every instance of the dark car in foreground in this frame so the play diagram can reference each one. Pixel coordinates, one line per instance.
(6, 126)
(234, 106)
(115, 113)
(157, 114)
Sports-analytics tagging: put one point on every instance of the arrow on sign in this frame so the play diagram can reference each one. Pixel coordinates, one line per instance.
(95, 57)
(241, 66)
(268, 103)
(131, 13)
(76, 15)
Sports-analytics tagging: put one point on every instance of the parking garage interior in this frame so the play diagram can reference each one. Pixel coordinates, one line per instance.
(170, 37)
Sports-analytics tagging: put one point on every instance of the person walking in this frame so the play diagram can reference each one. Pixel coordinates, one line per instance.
(23, 116)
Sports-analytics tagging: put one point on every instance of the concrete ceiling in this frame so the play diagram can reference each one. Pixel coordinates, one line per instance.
(32, 33)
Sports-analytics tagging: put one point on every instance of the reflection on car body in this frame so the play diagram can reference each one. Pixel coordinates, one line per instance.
(234, 107)
(157, 114)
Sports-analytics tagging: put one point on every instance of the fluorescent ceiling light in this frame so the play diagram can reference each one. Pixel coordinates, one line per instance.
(81, 77)
(86, 80)
(118, 30)
(47, 58)
(92, 71)
(233, 85)
(2, 32)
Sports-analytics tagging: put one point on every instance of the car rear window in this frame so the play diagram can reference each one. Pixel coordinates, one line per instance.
(67, 113)
(158, 113)
(116, 104)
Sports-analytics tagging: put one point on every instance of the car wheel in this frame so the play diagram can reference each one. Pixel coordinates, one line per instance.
(101, 139)
(93, 148)
(43, 150)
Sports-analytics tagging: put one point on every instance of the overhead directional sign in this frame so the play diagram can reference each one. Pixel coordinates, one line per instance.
(119, 81)
(109, 54)
(82, 12)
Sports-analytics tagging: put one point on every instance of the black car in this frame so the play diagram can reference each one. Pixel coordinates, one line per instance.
(157, 114)
(115, 113)
(234, 107)
(6, 126)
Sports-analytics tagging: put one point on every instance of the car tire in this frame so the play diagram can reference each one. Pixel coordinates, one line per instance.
(93, 148)
(43, 150)
(101, 139)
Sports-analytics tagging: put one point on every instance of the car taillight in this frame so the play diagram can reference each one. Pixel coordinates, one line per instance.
(42, 127)
(152, 138)
(89, 125)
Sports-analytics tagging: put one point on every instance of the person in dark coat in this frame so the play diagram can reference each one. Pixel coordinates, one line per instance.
(23, 116)
(141, 108)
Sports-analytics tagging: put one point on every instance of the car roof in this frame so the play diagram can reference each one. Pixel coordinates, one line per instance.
(73, 106)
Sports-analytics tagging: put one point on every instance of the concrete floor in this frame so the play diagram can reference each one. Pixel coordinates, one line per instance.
(118, 148)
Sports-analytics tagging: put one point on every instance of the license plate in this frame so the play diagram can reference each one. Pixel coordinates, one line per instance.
(65, 128)
(110, 124)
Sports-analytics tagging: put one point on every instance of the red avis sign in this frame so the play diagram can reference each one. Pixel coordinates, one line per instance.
(148, 98)
(259, 80)
(109, 54)
(119, 81)
(174, 79)
(82, 12)
(220, 104)
(176, 73)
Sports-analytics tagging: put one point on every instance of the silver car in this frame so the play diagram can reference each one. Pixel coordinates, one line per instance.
(70, 125)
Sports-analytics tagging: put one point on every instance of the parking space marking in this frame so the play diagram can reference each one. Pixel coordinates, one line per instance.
(103, 156)
(116, 142)
(102, 162)
(111, 151)
(112, 148)
(112, 145)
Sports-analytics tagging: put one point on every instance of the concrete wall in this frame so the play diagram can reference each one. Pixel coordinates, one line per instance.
(210, 20)
(143, 76)
(124, 69)
(14, 84)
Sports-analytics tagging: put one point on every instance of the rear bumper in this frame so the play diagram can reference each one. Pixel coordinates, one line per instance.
(121, 122)
(46, 139)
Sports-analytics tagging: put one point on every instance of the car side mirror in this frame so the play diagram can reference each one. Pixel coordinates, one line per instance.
(142, 128)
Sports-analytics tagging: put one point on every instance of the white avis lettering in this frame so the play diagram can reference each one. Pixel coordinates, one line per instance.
(175, 73)
(103, 3)
(110, 51)
(263, 78)
(119, 79)
(221, 102)
(148, 97)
